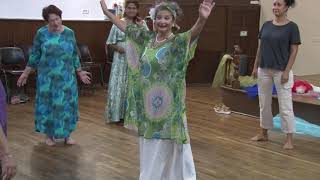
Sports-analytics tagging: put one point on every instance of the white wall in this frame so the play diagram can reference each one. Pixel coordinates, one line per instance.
(72, 9)
(306, 15)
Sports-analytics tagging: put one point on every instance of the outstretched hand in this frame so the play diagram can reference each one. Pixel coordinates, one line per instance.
(116, 21)
(85, 77)
(22, 79)
(103, 5)
(205, 8)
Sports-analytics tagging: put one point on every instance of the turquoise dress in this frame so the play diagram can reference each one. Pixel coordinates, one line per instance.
(117, 87)
(54, 57)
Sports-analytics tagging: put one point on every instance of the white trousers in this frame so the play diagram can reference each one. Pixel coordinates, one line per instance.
(165, 160)
(266, 79)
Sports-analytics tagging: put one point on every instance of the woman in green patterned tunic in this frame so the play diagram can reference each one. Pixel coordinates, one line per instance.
(54, 57)
(157, 65)
(117, 87)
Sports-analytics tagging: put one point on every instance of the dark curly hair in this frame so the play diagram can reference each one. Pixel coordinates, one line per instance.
(135, 2)
(51, 9)
(290, 3)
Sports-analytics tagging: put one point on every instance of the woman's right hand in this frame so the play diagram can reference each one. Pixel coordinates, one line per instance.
(119, 23)
(9, 167)
(254, 72)
(103, 5)
(139, 21)
(121, 50)
(22, 79)
(205, 8)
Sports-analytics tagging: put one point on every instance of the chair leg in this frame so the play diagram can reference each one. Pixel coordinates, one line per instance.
(92, 85)
(25, 89)
(7, 88)
(104, 67)
(101, 76)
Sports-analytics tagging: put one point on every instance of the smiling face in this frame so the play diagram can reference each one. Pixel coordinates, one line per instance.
(131, 10)
(164, 21)
(279, 8)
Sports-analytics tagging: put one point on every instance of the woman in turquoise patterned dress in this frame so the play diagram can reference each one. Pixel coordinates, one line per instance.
(117, 88)
(157, 65)
(54, 57)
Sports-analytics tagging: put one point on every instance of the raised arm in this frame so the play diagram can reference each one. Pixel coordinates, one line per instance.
(116, 21)
(204, 12)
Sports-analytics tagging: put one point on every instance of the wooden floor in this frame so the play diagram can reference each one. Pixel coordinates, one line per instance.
(220, 144)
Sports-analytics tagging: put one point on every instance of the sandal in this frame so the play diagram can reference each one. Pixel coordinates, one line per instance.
(222, 109)
(15, 100)
(50, 141)
(69, 141)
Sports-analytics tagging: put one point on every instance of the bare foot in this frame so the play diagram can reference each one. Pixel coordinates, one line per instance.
(288, 146)
(69, 141)
(49, 142)
(260, 137)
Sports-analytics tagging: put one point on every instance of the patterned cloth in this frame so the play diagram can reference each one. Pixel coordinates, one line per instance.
(54, 56)
(156, 84)
(117, 87)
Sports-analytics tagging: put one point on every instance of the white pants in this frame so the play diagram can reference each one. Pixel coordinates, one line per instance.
(266, 78)
(165, 160)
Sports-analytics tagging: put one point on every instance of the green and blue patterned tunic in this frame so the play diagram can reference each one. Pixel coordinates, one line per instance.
(54, 56)
(156, 84)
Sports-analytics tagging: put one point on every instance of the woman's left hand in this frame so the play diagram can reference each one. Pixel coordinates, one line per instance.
(9, 168)
(85, 76)
(205, 8)
(284, 77)
(139, 21)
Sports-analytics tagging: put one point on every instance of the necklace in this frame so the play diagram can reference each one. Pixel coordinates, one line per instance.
(163, 39)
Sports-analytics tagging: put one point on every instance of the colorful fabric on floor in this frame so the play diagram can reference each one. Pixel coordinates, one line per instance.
(302, 126)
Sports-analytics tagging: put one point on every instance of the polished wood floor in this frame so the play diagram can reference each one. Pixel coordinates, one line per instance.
(220, 144)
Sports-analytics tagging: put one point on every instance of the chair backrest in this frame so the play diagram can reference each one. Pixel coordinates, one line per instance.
(26, 48)
(12, 56)
(84, 53)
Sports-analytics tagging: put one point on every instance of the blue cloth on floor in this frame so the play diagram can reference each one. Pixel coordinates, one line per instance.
(253, 91)
(302, 126)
